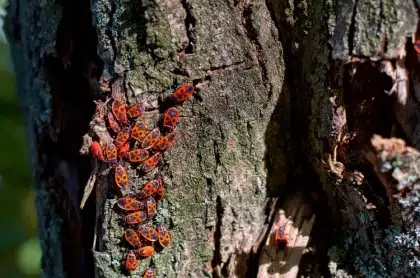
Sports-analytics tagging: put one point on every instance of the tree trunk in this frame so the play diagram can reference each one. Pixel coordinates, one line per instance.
(289, 96)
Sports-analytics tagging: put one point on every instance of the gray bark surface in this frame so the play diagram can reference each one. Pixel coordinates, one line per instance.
(289, 96)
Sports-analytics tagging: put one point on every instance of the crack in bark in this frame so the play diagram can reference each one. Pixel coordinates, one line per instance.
(217, 255)
(216, 154)
(110, 35)
(190, 22)
(252, 34)
(352, 29)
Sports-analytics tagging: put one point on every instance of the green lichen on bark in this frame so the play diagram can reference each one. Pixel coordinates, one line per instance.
(215, 196)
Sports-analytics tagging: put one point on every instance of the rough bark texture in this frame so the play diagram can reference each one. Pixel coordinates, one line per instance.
(289, 97)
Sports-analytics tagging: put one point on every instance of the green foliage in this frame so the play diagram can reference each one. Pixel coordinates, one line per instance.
(19, 246)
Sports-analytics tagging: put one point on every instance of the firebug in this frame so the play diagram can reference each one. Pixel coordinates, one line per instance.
(281, 238)
(164, 236)
(119, 111)
(123, 151)
(113, 124)
(97, 151)
(111, 152)
(151, 207)
(135, 217)
(151, 139)
(122, 137)
(170, 119)
(182, 93)
(136, 110)
(149, 273)
(138, 155)
(151, 162)
(148, 232)
(150, 187)
(159, 193)
(131, 263)
(139, 130)
(121, 177)
(146, 251)
(165, 142)
(128, 203)
(132, 237)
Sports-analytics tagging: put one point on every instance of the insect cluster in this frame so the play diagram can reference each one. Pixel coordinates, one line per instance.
(135, 144)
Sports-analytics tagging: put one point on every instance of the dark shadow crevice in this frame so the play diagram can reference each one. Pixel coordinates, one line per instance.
(73, 78)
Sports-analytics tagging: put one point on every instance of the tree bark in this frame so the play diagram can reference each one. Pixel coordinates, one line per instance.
(289, 97)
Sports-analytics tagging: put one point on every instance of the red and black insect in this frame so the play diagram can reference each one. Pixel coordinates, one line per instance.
(113, 124)
(123, 151)
(122, 137)
(170, 119)
(159, 193)
(165, 142)
(119, 111)
(150, 187)
(151, 139)
(111, 152)
(96, 150)
(146, 251)
(139, 131)
(128, 203)
(136, 110)
(164, 236)
(131, 263)
(281, 237)
(121, 177)
(182, 93)
(148, 233)
(151, 207)
(132, 237)
(151, 162)
(135, 217)
(138, 155)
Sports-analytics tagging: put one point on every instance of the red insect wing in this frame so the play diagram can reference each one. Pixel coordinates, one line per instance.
(121, 177)
(139, 130)
(122, 137)
(164, 236)
(159, 194)
(113, 124)
(149, 188)
(132, 237)
(136, 110)
(111, 152)
(281, 237)
(151, 162)
(131, 263)
(183, 92)
(151, 139)
(97, 151)
(146, 251)
(129, 204)
(124, 149)
(151, 207)
(138, 155)
(149, 273)
(119, 111)
(148, 232)
(170, 118)
(135, 217)
(417, 46)
(165, 142)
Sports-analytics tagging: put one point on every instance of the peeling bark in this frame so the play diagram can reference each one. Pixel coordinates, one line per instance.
(289, 97)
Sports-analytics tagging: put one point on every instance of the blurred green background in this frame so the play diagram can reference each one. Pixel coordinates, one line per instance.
(20, 252)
